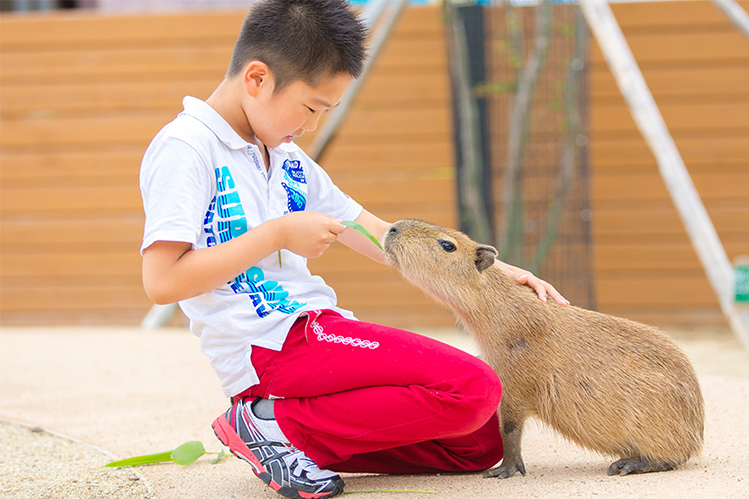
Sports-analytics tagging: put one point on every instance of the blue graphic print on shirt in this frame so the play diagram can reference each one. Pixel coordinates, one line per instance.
(225, 220)
(295, 184)
(226, 209)
(266, 296)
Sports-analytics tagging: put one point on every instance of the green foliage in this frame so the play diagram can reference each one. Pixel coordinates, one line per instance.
(188, 453)
(185, 454)
(396, 491)
(360, 228)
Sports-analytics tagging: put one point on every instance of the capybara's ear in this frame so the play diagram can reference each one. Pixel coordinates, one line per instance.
(485, 256)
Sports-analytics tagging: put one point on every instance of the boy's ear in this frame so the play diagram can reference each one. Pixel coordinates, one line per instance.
(255, 76)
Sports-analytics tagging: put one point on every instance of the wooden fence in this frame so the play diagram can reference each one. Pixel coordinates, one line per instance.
(83, 94)
(697, 66)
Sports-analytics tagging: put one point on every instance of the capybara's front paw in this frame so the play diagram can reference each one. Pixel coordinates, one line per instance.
(506, 469)
(636, 465)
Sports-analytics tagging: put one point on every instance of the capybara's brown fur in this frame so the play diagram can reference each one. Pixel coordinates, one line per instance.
(612, 385)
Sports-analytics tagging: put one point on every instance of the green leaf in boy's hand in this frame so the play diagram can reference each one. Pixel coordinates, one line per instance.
(360, 228)
(188, 452)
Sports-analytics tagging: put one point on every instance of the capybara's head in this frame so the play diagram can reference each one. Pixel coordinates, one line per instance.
(441, 261)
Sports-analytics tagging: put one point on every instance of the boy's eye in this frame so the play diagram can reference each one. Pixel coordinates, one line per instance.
(310, 109)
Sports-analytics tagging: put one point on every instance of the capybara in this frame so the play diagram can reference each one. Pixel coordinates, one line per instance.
(615, 386)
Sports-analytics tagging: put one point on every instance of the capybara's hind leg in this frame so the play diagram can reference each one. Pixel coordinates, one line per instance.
(637, 465)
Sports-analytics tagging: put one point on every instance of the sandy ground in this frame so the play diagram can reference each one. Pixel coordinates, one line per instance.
(120, 392)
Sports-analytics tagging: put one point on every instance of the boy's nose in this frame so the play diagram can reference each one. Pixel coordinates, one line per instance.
(311, 124)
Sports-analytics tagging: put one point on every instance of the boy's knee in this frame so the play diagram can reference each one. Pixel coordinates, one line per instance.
(482, 394)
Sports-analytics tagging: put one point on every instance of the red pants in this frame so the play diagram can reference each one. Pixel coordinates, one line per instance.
(360, 397)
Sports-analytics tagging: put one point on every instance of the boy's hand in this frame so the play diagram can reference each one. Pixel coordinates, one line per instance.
(541, 287)
(307, 233)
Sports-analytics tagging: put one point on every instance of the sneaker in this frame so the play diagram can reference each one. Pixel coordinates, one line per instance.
(279, 464)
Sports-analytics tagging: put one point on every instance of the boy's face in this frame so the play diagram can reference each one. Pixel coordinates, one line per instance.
(281, 117)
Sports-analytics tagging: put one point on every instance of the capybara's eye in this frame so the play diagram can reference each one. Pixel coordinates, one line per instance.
(447, 245)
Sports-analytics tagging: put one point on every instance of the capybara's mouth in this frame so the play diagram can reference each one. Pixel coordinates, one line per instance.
(389, 253)
(387, 247)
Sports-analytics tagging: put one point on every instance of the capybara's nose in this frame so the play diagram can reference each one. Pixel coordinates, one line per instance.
(393, 229)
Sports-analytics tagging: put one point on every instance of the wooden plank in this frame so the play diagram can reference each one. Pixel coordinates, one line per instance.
(126, 317)
(660, 16)
(676, 49)
(649, 256)
(416, 21)
(668, 317)
(129, 130)
(86, 29)
(715, 152)
(92, 60)
(80, 264)
(630, 222)
(433, 121)
(397, 192)
(711, 118)
(409, 89)
(410, 55)
(83, 199)
(435, 153)
(100, 230)
(97, 166)
(672, 84)
(89, 296)
(26, 101)
(676, 291)
(713, 185)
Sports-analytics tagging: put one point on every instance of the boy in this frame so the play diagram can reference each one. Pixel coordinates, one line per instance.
(233, 210)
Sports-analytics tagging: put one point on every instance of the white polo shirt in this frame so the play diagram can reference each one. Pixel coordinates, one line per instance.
(203, 184)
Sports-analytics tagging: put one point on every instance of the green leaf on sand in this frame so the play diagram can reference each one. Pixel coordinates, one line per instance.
(220, 456)
(161, 457)
(392, 491)
(188, 452)
(360, 228)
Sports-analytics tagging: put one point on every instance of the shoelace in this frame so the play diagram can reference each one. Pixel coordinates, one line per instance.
(305, 464)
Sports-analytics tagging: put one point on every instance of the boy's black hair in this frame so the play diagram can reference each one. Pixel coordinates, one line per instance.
(301, 40)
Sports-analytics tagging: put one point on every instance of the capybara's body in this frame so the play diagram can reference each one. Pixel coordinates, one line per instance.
(612, 385)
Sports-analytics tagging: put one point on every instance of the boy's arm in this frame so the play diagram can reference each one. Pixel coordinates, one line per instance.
(378, 228)
(173, 271)
(360, 243)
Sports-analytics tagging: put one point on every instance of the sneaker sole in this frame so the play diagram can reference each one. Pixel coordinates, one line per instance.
(226, 434)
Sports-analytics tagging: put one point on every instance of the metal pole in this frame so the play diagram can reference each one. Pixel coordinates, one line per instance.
(735, 14)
